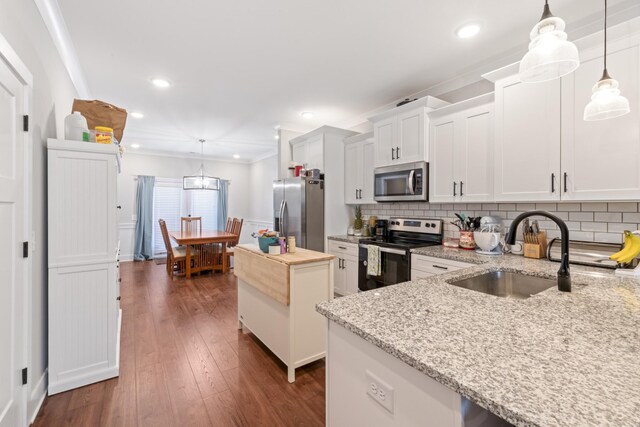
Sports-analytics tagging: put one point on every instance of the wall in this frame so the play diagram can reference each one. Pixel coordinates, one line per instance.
(593, 222)
(53, 93)
(175, 167)
(261, 176)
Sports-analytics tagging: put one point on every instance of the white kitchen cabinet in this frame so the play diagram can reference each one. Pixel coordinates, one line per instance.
(527, 140)
(399, 133)
(345, 268)
(461, 152)
(309, 152)
(359, 157)
(423, 266)
(601, 159)
(84, 312)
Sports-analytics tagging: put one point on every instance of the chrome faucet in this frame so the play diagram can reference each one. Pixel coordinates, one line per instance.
(564, 277)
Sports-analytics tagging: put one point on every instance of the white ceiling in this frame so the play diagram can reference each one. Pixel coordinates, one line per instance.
(239, 68)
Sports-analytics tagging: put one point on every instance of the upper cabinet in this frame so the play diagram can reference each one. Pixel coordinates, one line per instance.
(359, 157)
(461, 152)
(309, 152)
(527, 140)
(400, 135)
(601, 159)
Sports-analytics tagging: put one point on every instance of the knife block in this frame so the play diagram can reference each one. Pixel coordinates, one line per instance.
(536, 250)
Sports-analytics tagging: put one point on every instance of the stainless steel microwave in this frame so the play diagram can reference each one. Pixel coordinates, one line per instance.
(406, 182)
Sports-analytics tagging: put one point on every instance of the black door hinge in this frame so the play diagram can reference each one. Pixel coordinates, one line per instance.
(24, 376)
(25, 249)
(25, 123)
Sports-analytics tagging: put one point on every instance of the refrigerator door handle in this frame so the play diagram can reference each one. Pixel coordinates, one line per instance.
(283, 220)
(280, 217)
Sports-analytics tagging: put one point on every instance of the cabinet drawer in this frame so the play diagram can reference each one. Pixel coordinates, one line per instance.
(342, 248)
(436, 265)
(419, 274)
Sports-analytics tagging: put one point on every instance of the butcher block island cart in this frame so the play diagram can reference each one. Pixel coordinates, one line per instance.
(277, 295)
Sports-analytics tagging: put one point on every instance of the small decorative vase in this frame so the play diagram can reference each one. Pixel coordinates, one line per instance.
(466, 240)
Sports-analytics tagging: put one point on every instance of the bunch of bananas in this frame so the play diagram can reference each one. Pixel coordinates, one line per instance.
(630, 250)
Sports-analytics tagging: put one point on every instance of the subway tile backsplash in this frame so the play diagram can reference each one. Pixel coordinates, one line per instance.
(592, 221)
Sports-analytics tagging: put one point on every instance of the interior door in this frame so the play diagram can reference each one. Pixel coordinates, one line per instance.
(12, 234)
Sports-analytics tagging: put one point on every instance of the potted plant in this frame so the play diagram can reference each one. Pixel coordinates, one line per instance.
(467, 225)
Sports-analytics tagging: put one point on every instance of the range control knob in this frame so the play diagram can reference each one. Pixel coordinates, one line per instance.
(426, 224)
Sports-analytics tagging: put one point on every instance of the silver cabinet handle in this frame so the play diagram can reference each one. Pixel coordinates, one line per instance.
(553, 182)
(397, 152)
(392, 157)
(461, 193)
(356, 194)
(565, 182)
(342, 247)
(360, 197)
(455, 185)
(440, 267)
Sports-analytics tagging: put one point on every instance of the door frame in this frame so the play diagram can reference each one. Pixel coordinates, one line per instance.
(20, 70)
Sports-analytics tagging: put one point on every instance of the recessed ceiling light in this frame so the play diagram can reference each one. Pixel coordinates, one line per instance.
(135, 145)
(468, 31)
(162, 83)
(137, 115)
(276, 136)
(306, 115)
(236, 156)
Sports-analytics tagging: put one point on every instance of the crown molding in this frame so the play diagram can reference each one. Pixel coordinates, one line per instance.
(54, 21)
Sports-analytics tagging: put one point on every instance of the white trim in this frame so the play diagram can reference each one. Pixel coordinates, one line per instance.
(176, 154)
(261, 158)
(54, 21)
(38, 394)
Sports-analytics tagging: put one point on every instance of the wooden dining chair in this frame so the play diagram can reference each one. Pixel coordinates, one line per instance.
(229, 226)
(235, 229)
(191, 224)
(176, 257)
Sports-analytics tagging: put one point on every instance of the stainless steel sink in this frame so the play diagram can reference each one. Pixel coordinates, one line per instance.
(506, 284)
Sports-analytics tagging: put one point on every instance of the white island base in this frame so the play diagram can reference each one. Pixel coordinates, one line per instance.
(358, 370)
(277, 296)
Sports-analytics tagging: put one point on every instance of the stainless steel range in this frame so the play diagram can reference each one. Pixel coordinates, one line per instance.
(395, 250)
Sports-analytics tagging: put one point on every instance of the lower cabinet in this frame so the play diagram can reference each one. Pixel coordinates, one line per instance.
(345, 280)
(84, 325)
(423, 266)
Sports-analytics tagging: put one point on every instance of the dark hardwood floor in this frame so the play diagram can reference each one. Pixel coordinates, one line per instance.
(183, 362)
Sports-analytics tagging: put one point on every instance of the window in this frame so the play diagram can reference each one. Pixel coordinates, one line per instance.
(170, 202)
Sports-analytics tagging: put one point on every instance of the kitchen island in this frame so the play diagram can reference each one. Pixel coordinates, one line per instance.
(554, 359)
(277, 295)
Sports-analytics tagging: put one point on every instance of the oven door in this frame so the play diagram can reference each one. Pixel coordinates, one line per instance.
(402, 182)
(394, 268)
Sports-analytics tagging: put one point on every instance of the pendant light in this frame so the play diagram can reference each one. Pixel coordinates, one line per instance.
(200, 181)
(550, 55)
(606, 101)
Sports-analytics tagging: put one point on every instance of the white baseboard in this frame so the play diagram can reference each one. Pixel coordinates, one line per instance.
(38, 394)
(126, 258)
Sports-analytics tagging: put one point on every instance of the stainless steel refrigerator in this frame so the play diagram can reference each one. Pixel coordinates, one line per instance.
(298, 210)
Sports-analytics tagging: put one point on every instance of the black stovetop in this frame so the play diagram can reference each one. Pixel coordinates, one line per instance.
(405, 241)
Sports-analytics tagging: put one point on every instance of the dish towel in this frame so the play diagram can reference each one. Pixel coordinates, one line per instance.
(373, 260)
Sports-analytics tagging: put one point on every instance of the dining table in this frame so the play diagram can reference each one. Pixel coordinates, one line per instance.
(192, 238)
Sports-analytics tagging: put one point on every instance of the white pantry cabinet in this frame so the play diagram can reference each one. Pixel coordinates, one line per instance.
(527, 140)
(400, 134)
(461, 152)
(84, 283)
(601, 159)
(359, 159)
(345, 271)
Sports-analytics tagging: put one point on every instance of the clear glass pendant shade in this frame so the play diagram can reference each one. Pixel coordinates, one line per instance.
(200, 181)
(550, 55)
(606, 101)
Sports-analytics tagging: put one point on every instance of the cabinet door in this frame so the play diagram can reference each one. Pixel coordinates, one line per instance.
(351, 275)
(410, 147)
(368, 163)
(419, 274)
(352, 173)
(601, 159)
(315, 153)
(527, 140)
(441, 178)
(338, 276)
(385, 134)
(299, 152)
(473, 158)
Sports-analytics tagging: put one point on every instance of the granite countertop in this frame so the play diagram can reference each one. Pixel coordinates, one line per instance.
(555, 359)
(348, 239)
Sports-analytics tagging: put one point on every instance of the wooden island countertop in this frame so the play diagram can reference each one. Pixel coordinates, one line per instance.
(301, 256)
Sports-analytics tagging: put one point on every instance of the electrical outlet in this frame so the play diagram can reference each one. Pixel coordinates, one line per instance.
(380, 391)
